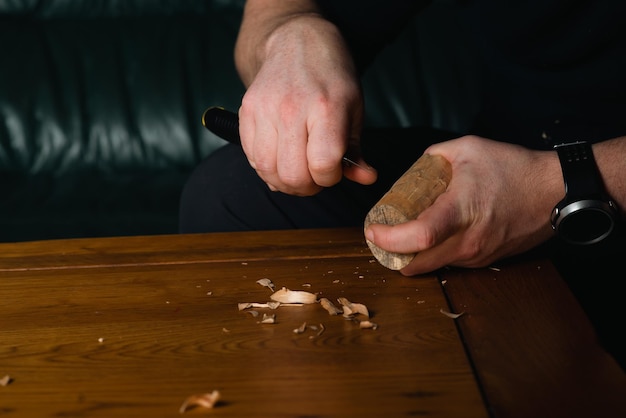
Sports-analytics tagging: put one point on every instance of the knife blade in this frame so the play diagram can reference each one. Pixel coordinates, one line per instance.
(225, 124)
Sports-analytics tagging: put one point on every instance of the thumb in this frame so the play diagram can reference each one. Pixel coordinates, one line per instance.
(433, 226)
(356, 168)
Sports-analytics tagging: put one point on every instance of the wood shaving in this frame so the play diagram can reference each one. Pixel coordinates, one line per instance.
(245, 305)
(450, 314)
(268, 319)
(368, 325)
(330, 307)
(350, 308)
(267, 283)
(285, 295)
(6, 380)
(205, 400)
(300, 329)
(319, 330)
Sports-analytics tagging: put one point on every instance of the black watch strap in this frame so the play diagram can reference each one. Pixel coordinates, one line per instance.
(580, 172)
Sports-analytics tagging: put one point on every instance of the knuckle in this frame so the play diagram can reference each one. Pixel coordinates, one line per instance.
(470, 251)
(322, 166)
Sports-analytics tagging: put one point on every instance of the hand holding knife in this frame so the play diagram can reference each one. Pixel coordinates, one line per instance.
(225, 124)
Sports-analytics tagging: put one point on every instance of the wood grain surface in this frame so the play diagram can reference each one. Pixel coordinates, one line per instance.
(130, 327)
(533, 347)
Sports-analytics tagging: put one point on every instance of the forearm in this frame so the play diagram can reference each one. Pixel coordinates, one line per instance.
(611, 159)
(260, 20)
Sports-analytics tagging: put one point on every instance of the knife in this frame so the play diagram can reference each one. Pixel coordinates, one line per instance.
(225, 124)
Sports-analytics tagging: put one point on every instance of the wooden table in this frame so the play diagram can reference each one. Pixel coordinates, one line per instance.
(130, 327)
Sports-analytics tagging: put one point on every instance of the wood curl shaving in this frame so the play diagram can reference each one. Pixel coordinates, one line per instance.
(330, 307)
(302, 328)
(285, 295)
(450, 314)
(245, 305)
(267, 283)
(204, 400)
(268, 319)
(368, 325)
(350, 309)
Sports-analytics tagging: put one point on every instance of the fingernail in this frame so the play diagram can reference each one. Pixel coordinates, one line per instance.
(369, 235)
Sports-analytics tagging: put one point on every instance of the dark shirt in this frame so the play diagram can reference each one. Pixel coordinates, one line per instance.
(556, 69)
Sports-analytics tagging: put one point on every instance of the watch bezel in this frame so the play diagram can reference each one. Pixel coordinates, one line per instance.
(565, 211)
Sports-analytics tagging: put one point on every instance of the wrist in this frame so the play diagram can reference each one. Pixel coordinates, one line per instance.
(586, 214)
(261, 19)
(546, 185)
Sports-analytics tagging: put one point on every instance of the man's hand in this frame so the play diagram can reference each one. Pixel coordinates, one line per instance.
(303, 104)
(497, 204)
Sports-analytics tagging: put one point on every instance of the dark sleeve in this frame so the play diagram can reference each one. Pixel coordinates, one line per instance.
(369, 25)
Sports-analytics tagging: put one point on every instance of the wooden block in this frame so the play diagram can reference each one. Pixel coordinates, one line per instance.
(415, 191)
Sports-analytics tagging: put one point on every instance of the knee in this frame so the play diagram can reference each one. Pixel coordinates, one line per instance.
(202, 207)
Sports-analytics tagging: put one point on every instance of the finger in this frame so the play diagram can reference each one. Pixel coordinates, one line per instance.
(405, 238)
(433, 226)
(430, 259)
(356, 168)
(292, 165)
(360, 172)
(328, 133)
(247, 130)
(264, 150)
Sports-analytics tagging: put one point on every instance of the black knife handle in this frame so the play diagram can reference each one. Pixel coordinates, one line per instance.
(222, 123)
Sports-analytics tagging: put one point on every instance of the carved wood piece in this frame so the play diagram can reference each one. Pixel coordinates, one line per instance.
(409, 196)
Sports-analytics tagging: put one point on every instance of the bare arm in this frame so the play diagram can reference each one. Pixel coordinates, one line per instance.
(303, 103)
(611, 159)
(261, 19)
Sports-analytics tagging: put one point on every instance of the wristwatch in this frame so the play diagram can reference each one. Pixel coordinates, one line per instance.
(587, 214)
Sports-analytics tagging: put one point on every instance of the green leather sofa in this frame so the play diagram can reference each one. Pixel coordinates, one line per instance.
(101, 100)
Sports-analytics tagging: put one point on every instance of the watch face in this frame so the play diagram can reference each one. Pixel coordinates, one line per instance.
(586, 223)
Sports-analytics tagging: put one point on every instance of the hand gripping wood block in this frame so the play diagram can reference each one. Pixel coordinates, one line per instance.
(415, 191)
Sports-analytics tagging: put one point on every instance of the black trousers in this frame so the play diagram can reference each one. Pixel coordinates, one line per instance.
(224, 194)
